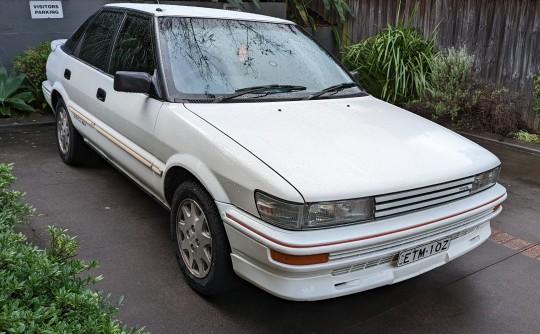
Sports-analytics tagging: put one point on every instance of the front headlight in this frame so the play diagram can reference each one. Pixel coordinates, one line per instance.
(299, 216)
(485, 180)
(340, 212)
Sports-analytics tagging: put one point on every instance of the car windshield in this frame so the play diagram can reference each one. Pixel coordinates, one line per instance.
(216, 57)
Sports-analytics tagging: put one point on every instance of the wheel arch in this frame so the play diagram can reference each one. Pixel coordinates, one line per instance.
(57, 93)
(55, 97)
(177, 174)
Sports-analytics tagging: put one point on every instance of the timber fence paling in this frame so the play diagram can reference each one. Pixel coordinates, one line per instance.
(503, 34)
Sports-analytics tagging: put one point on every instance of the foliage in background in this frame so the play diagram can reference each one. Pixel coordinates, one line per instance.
(453, 96)
(239, 4)
(394, 65)
(303, 13)
(526, 136)
(491, 107)
(13, 95)
(32, 64)
(536, 97)
(451, 70)
(481, 106)
(45, 291)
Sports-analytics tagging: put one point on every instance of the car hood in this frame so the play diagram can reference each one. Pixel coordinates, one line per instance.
(347, 148)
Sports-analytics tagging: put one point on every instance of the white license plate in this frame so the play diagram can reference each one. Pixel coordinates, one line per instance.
(423, 251)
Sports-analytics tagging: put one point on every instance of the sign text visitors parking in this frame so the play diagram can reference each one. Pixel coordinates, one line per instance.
(46, 9)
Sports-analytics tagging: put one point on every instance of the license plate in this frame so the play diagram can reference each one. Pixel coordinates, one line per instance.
(423, 251)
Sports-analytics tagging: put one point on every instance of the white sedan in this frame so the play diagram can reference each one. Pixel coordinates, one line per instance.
(275, 164)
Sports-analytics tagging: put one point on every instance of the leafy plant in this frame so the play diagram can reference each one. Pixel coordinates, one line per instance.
(526, 136)
(13, 96)
(489, 107)
(12, 209)
(395, 64)
(451, 70)
(46, 291)
(536, 95)
(32, 64)
(456, 97)
(303, 13)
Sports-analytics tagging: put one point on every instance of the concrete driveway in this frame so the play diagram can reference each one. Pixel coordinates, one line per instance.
(494, 289)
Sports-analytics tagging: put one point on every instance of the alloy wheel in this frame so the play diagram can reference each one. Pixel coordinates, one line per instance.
(62, 128)
(194, 238)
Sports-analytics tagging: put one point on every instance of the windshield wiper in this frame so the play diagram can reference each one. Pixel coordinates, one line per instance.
(332, 89)
(259, 89)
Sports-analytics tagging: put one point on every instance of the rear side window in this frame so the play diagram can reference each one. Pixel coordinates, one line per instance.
(134, 50)
(71, 43)
(98, 39)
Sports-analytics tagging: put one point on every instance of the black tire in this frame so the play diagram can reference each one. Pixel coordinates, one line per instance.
(213, 273)
(70, 143)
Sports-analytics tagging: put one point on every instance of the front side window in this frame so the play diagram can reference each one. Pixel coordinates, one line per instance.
(210, 57)
(134, 48)
(98, 38)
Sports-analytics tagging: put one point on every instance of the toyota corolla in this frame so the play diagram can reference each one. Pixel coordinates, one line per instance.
(275, 164)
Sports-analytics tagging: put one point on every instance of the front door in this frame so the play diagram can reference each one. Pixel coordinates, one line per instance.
(129, 118)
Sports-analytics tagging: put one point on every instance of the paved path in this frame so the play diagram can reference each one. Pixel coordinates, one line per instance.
(494, 289)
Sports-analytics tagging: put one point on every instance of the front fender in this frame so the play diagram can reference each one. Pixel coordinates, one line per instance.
(198, 169)
(229, 172)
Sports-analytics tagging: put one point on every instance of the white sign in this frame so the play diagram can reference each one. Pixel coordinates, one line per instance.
(46, 9)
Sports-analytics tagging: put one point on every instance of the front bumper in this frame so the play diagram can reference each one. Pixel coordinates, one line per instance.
(361, 257)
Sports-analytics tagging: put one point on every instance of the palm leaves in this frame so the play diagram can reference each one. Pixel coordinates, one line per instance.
(12, 96)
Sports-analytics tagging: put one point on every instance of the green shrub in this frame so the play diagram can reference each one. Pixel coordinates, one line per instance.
(302, 12)
(489, 107)
(526, 136)
(32, 64)
(395, 64)
(12, 209)
(450, 72)
(456, 97)
(13, 96)
(536, 95)
(45, 291)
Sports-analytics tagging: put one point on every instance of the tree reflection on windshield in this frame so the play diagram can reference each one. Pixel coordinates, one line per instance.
(214, 56)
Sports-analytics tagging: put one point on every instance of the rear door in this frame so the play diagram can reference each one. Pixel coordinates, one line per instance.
(89, 62)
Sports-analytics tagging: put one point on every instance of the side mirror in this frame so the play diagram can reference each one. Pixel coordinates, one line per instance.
(354, 74)
(133, 82)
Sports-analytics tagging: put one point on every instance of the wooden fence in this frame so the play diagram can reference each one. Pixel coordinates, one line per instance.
(503, 34)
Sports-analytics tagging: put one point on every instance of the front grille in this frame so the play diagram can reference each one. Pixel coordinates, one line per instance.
(411, 200)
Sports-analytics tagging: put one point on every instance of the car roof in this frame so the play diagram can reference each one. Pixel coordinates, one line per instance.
(189, 11)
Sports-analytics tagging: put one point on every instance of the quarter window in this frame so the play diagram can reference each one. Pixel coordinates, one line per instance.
(133, 50)
(72, 42)
(98, 38)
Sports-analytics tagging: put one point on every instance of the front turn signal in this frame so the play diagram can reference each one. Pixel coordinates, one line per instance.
(299, 260)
